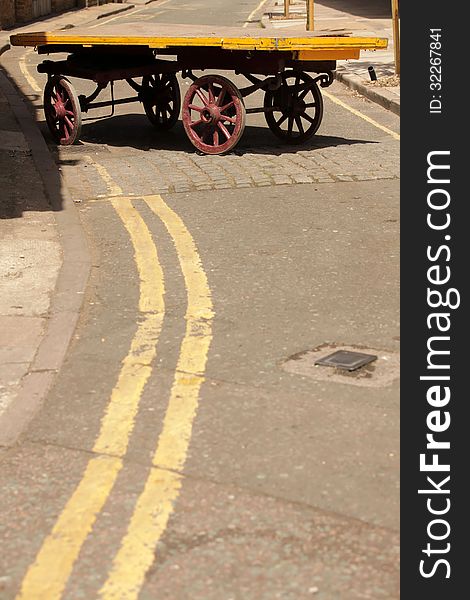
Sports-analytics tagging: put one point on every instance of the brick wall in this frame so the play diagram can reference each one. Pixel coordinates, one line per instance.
(61, 5)
(21, 11)
(7, 13)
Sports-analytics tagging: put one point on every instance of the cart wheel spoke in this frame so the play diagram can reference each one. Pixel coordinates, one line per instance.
(299, 124)
(308, 118)
(229, 119)
(222, 95)
(206, 136)
(215, 137)
(296, 90)
(155, 80)
(211, 93)
(196, 123)
(290, 124)
(311, 105)
(281, 120)
(202, 97)
(198, 109)
(224, 130)
(224, 108)
(304, 93)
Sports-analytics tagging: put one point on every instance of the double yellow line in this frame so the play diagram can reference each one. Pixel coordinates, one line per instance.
(48, 575)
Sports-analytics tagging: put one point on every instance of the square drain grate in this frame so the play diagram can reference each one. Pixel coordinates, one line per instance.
(346, 359)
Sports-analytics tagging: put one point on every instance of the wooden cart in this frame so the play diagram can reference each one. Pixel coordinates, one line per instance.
(290, 71)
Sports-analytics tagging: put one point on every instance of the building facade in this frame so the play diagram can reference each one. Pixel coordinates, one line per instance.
(7, 13)
(15, 12)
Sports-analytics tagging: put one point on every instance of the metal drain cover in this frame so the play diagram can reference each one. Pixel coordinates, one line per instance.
(345, 359)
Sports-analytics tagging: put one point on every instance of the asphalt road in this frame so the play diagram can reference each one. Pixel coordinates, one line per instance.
(180, 453)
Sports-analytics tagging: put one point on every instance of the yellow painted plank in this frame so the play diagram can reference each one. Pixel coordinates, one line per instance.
(230, 40)
(339, 54)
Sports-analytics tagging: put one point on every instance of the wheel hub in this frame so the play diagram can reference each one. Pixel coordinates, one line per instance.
(211, 114)
(59, 109)
(162, 95)
(298, 108)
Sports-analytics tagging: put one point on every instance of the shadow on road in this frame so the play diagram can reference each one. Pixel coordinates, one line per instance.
(134, 131)
(28, 176)
(371, 9)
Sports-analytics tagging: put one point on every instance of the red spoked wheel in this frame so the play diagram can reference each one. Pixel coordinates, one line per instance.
(62, 110)
(161, 99)
(213, 114)
(295, 110)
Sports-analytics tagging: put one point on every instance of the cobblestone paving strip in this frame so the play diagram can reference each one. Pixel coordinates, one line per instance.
(176, 171)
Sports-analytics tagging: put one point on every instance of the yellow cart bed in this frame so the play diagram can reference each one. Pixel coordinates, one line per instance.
(213, 110)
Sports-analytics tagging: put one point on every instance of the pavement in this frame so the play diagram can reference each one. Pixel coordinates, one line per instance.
(361, 17)
(41, 279)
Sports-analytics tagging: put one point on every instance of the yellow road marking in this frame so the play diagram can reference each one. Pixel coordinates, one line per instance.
(253, 13)
(48, 575)
(336, 100)
(27, 75)
(118, 422)
(113, 189)
(156, 502)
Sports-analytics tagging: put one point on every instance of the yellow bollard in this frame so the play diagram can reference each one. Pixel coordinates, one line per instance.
(396, 35)
(309, 15)
(286, 9)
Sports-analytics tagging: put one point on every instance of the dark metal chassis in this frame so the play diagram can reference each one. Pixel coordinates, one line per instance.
(107, 64)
